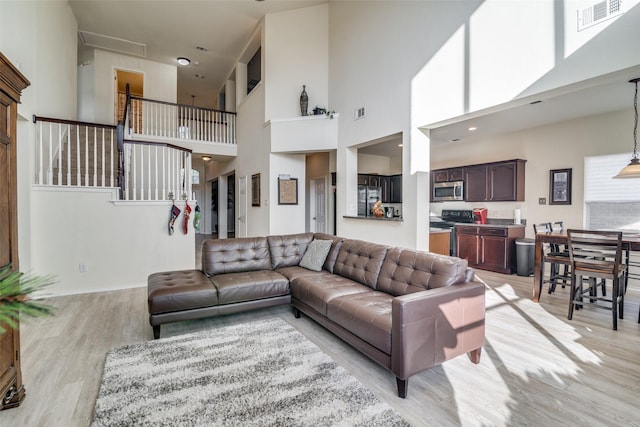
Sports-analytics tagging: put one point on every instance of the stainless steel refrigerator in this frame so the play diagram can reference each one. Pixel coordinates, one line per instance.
(367, 197)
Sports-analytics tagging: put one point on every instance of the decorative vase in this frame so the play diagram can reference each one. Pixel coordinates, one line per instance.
(304, 101)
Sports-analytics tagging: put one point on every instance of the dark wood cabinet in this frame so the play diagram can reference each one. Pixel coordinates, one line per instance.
(475, 183)
(395, 184)
(505, 181)
(12, 83)
(391, 186)
(487, 182)
(488, 247)
(445, 175)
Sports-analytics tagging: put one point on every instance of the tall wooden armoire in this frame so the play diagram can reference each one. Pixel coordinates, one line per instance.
(12, 83)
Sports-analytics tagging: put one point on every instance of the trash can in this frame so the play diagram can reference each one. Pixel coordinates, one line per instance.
(525, 256)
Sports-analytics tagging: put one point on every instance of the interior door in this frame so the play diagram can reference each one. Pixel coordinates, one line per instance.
(242, 206)
(318, 207)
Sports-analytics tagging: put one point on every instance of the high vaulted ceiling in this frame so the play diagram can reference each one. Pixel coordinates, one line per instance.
(175, 28)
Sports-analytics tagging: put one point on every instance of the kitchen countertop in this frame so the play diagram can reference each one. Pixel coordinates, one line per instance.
(439, 230)
(373, 218)
(493, 225)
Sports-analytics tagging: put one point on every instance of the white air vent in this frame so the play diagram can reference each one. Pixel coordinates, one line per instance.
(358, 113)
(111, 43)
(598, 12)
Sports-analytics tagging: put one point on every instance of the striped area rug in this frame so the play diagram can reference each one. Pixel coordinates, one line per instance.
(259, 373)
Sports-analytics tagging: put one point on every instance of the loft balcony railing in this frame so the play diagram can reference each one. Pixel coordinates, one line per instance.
(89, 155)
(151, 119)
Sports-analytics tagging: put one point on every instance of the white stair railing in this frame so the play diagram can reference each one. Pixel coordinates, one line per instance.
(156, 172)
(150, 118)
(71, 153)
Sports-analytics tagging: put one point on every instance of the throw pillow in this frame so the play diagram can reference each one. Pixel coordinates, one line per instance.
(315, 255)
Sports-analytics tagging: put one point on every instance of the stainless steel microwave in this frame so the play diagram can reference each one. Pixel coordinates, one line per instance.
(446, 191)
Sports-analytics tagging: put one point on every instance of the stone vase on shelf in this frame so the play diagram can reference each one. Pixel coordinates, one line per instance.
(304, 101)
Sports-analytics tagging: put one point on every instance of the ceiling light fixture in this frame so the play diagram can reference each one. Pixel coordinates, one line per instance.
(472, 128)
(206, 158)
(632, 170)
(184, 61)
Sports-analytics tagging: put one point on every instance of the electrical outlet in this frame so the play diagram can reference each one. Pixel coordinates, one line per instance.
(542, 200)
(82, 267)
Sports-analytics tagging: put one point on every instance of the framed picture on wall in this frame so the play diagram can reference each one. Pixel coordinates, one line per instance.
(255, 189)
(560, 187)
(288, 191)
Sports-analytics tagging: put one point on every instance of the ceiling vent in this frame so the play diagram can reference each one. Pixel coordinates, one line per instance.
(598, 12)
(111, 43)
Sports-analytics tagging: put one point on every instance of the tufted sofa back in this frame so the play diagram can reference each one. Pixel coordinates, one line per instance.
(360, 261)
(406, 271)
(235, 255)
(288, 250)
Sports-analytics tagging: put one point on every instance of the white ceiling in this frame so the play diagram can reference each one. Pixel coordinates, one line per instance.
(174, 28)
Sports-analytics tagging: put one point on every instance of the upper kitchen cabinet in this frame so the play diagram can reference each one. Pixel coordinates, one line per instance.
(445, 175)
(395, 183)
(495, 182)
(505, 181)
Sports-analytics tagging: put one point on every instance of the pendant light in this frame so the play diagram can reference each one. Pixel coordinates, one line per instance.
(632, 170)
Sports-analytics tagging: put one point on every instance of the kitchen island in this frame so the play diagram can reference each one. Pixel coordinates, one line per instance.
(489, 246)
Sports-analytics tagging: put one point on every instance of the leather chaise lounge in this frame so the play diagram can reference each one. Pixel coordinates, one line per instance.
(407, 310)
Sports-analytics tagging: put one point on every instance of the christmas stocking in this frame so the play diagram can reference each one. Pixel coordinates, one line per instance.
(174, 214)
(196, 218)
(185, 222)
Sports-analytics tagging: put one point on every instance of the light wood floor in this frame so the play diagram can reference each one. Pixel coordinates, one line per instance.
(537, 368)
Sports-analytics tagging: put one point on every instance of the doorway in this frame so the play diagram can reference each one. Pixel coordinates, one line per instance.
(214, 208)
(318, 205)
(136, 88)
(231, 205)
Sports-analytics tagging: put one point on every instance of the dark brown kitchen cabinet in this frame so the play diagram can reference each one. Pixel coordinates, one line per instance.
(385, 183)
(395, 188)
(12, 83)
(495, 182)
(475, 182)
(488, 247)
(445, 175)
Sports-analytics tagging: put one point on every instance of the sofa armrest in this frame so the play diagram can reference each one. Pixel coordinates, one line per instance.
(435, 325)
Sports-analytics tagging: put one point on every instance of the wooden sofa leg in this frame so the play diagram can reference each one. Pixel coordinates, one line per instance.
(156, 332)
(296, 312)
(474, 355)
(402, 387)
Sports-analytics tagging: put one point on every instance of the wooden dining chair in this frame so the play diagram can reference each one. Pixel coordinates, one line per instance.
(555, 257)
(596, 255)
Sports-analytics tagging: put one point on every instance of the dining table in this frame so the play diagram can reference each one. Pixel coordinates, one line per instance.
(630, 242)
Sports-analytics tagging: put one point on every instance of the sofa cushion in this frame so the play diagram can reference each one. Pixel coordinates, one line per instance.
(249, 286)
(333, 252)
(316, 254)
(406, 271)
(318, 289)
(235, 255)
(360, 261)
(289, 249)
(295, 271)
(366, 315)
(180, 290)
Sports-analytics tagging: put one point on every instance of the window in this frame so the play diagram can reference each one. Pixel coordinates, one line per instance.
(610, 203)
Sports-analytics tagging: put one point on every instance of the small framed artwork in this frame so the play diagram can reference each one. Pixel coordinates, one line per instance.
(560, 187)
(255, 189)
(288, 191)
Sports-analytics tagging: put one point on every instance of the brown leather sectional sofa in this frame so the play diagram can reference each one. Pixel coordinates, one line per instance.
(407, 310)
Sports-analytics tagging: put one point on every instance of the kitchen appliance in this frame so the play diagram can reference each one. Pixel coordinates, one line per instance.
(480, 215)
(388, 212)
(367, 197)
(448, 220)
(447, 191)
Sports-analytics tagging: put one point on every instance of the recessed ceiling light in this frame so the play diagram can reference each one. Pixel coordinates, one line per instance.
(183, 61)
(206, 158)
(472, 128)
(400, 145)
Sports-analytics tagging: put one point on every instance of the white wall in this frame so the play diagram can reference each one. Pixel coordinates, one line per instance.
(415, 63)
(160, 82)
(296, 53)
(120, 245)
(558, 146)
(287, 219)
